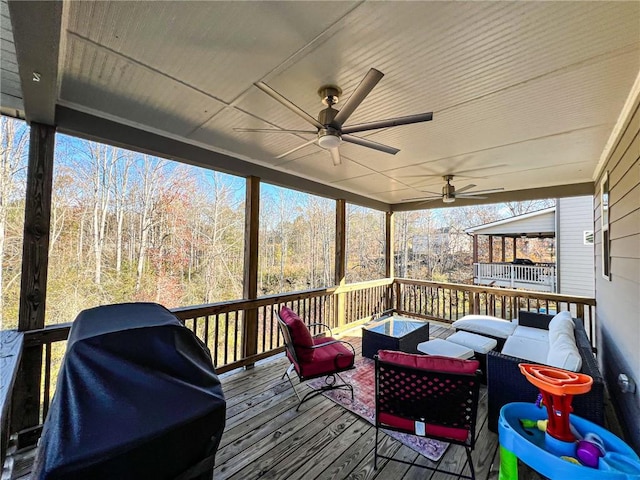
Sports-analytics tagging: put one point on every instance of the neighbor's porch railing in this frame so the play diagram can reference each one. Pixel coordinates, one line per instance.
(540, 277)
(221, 325)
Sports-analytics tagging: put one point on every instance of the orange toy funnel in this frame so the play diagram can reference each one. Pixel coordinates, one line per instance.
(557, 387)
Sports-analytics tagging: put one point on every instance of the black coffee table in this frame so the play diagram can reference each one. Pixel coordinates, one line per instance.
(393, 333)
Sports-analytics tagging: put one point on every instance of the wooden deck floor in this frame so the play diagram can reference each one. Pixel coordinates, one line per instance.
(266, 438)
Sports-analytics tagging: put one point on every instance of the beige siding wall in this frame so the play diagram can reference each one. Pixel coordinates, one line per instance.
(575, 259)
(618, 298)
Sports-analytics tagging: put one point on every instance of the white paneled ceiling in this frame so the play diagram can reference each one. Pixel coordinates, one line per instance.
(524, 94)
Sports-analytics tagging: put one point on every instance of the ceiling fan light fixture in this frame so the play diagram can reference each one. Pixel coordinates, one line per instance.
(328, 140)
(448, 199)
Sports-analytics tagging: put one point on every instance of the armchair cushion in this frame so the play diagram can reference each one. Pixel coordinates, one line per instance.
(327, 358)
(300, 336)
(390, 420)
(430, 362)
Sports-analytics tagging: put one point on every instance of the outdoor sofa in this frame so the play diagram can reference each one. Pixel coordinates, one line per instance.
(505, 382)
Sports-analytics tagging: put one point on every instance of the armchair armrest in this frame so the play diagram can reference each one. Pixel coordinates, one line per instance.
(317, 324)
(506, 384)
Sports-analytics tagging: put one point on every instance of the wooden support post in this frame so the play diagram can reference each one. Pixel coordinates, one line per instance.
(341, 258)
(35, 261)
(389, 255)
(250, 281)
(389, 247)
(475, 248)
(503, 254)
(491, 244)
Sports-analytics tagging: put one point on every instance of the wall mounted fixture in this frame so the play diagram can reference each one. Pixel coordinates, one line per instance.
(626, 384)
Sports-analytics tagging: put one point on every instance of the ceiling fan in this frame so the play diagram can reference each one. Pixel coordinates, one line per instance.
(330, 131)
(449, 192)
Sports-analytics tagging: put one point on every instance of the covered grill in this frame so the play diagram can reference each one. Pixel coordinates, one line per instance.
(137, 398)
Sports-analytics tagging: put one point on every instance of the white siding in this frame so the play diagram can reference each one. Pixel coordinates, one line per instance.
(618, 299)
(575, 259)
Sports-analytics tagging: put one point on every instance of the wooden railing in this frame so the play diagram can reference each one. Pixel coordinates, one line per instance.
(535, 277)
(210, 322)
(221, 325)
(447, 302)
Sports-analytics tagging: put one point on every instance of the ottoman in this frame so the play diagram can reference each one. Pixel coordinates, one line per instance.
(479, 344)
(444, 348)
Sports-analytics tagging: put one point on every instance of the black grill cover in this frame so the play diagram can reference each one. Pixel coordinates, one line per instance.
(137, 398)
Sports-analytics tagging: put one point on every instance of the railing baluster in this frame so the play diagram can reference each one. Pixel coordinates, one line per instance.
(47, 380)
(235, 335)
(226, 333)
(215, 344)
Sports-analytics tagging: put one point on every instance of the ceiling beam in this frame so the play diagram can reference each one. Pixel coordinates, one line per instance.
(98, 129)
(556, 191)
(36, 32)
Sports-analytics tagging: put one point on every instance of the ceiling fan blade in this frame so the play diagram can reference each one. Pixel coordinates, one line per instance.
(287, 103)
(465, 188)
(335, 156)
(299, 147)
(370, 143)
(367, 84)
(272, 130)
(468, 195)
(426, 199)
(391, 122)
(435, 194)
(493, 190)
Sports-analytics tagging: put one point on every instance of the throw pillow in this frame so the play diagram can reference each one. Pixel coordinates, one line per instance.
(563, 353)
(561, 323)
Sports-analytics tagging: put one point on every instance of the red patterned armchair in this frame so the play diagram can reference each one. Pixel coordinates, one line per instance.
(313, 357)
(427, 395)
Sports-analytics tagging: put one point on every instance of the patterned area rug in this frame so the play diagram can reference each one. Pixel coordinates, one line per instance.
(363, 405)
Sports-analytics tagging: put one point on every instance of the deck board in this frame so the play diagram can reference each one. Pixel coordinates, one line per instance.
(265, 437)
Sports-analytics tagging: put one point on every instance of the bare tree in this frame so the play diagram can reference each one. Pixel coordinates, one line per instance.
(120, 194)
(13, 160)
(520, 208)
(149, 171)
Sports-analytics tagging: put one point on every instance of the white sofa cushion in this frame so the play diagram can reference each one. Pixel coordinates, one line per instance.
(475, 342)
(441, 347)
(485, 324)
(530, 349)
(533, 333)
(563, 353)
(561, 323)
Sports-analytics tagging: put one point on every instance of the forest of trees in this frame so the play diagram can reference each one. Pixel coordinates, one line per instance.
(131, 227)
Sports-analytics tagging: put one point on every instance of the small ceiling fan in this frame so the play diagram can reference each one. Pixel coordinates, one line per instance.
(329, 125)
(449, 192)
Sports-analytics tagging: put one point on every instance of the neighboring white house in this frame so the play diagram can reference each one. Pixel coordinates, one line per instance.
(570, 224)
(575, 247)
